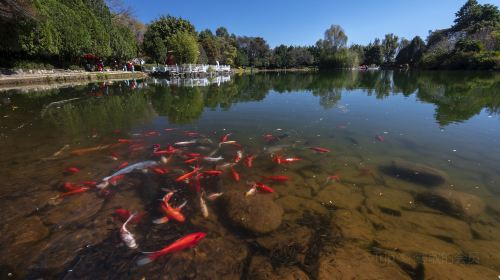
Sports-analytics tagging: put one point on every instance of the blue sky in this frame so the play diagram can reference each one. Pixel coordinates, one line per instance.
(300, 22)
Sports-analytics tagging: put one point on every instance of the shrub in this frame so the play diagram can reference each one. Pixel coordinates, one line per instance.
(75, 68)
(466, 45)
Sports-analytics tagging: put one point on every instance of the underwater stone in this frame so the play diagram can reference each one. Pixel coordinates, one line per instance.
(261, 268)
(454, 203)
(414, 172)
(258, 214)
(355, 263)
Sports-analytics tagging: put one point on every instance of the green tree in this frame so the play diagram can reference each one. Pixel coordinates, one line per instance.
(472, 17)
(155, 48)
(185, 47)
(164, 28)
(280, 56)
(389, 46)
(334, 38)
(412, 52)
(256, 50)
(374, 53)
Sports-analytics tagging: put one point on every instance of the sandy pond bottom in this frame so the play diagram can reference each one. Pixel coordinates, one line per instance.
(411, 199)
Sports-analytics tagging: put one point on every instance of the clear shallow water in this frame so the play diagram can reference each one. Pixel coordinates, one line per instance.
(416, 155)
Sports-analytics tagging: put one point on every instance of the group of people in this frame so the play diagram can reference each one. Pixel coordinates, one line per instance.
(93, 63)
(129, 66)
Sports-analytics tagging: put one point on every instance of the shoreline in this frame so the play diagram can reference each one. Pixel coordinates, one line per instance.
(64, 77)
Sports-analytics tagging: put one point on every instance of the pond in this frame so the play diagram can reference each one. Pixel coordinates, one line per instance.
(341, 175)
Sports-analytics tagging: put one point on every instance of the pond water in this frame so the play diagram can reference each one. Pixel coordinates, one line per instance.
(377, 175)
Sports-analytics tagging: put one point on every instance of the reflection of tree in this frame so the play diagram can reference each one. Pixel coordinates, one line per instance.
(180, 104)
(329, 99)
(459, 95)
(100, 115)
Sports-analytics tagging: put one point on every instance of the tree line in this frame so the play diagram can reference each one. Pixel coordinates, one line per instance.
(61, 31)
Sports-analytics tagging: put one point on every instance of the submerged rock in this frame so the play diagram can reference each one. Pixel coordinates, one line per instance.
(398, 240)
(218, 258)
(341, 196)
(24, 231)
(258, 214)
(261, 269)
(415, 172)
(449, 271)
(482, 252)
(354, 226)
(75, 209)
(454, 203)
(354, 263)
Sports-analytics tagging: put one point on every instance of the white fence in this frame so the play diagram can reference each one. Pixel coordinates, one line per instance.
(191, 69)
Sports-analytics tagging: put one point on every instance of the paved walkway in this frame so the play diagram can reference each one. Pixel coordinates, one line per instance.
(58, 76)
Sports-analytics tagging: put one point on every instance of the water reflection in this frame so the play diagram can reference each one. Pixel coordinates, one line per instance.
(458, 96)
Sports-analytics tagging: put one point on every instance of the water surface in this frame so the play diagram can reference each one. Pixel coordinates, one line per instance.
(408, 190)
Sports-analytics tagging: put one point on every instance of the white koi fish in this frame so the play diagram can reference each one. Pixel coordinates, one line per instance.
(213, 159)
(203, 207)
(130, 168)
(127, 236)
(214, 196)
(185, 143)
(251, 191)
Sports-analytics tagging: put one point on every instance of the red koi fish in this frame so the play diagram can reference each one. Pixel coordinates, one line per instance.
(173, 213)
(237, 145)
(236, 175)
(379, 138)
(161, 152)
(72, 192)
(225, 138)
(159, 170)
(124, 214)
(123, 165)
(68, 186)
(90, 184)
(169, 211)
(212, 172)
(277, 178)
(269, 137)
(320, 150)
(151, 133)
(334, 177)
(277, 158)
(249, 160)
(72, 170)
(180, 244)
(114, 156)
(193, 155)
(124, 141)
(116, 179)
(197, 183)
(264, 188)
(187, 175)
(191, 160)
(170, 129)
(191, 134)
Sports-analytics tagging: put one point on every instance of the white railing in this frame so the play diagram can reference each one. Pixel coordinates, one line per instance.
(191, 68)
